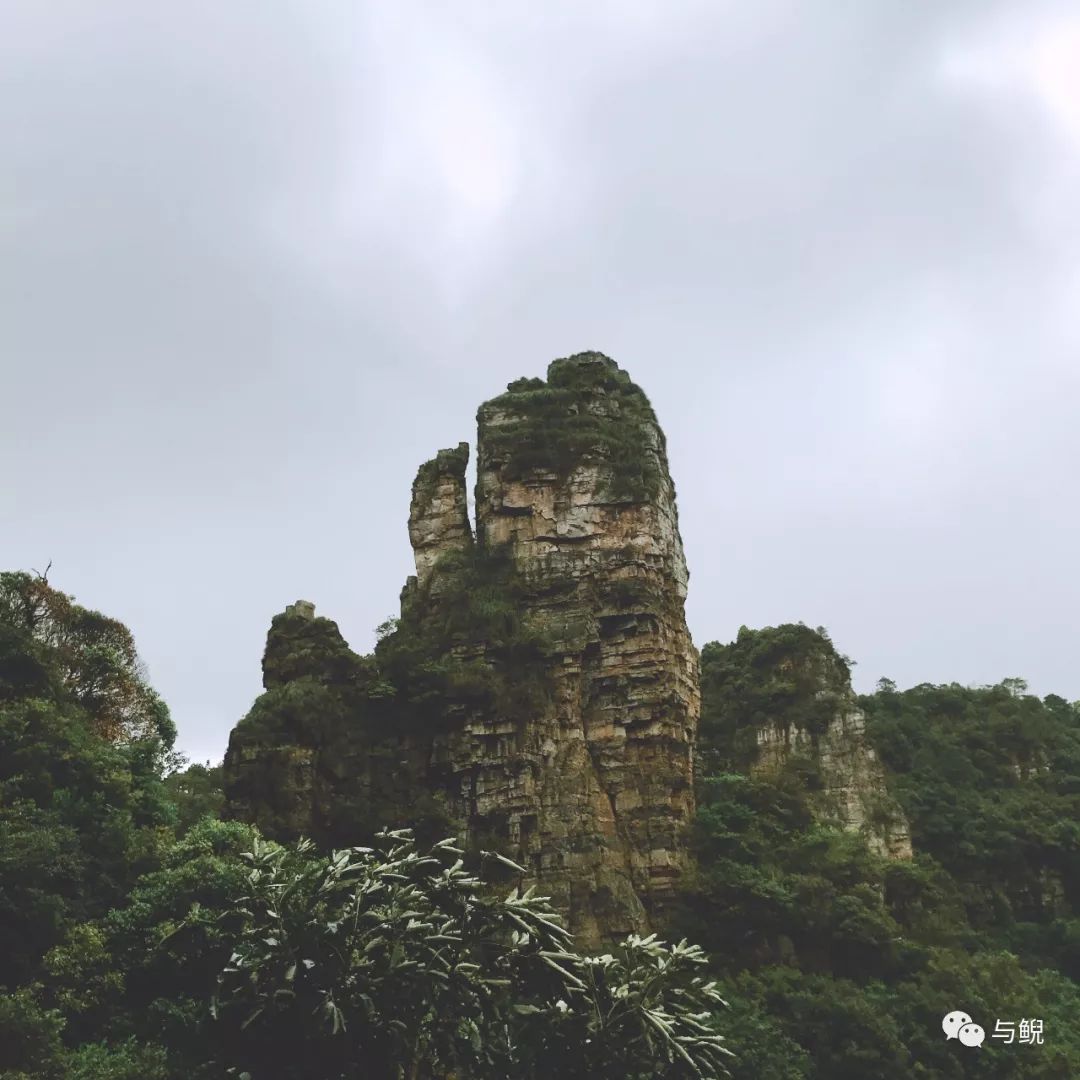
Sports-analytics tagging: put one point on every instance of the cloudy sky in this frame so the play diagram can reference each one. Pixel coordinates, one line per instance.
(260, 259)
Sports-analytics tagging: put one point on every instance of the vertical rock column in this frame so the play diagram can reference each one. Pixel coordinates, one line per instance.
(540, 695)
(573, 481)
(438, 511)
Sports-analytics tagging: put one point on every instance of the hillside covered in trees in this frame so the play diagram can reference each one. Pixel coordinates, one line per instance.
(145, 937)
(535, 833)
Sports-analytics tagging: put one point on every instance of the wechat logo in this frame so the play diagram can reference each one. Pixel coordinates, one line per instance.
(958, 1025)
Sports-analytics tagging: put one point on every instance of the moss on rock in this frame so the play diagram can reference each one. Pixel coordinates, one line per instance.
(299, 646)
(449, 462)
(780, 676)
(777, 703)
(587, 412)
(467, 635)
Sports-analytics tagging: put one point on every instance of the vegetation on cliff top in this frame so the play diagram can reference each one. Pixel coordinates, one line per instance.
(450, 462)
(464, 644)
(588, 412)
(786, 677)
(468, 637)
(990, 780)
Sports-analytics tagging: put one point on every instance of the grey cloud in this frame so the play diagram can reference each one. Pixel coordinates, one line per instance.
(262, 259)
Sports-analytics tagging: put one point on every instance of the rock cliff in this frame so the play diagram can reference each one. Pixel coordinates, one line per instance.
(539, 693)
(780, 700)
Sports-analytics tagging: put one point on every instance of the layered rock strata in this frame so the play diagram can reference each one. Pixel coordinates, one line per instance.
(540, 692)
(853, 793)
(780, 699)
(439, 511)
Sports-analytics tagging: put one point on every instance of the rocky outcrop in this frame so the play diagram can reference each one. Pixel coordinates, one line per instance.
(439, 511)
(275, 764)
(540, 692)
(573, 483)
(853, 790)
(780, 700)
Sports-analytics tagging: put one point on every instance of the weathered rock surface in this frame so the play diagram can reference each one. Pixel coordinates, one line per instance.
(598, 786)
(854, 793)
(439, 512)
(541, 691)
(781, 698)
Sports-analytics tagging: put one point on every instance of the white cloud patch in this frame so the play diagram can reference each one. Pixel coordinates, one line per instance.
(1033, 53)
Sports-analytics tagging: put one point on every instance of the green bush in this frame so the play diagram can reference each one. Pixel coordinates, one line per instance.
(384, 962)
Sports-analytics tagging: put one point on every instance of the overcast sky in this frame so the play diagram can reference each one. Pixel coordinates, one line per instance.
(260, 259)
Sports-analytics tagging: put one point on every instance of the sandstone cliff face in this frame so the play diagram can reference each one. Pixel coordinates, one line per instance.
(853, 792)
(600, 785)
(439, 512)
(540, 693)
(781, 699)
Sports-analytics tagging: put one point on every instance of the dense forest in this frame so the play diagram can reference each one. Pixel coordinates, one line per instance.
(143, 936)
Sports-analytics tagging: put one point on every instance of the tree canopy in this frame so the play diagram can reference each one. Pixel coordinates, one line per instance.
(144, 938)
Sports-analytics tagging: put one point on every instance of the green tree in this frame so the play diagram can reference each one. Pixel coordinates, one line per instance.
(196, 790)
(146, 970)
(840, 963)
(387, 963)
(83, 741)
(93, 655)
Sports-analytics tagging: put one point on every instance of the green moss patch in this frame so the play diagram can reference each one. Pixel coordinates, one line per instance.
(781, 676)
(588, 412)
(466, 638)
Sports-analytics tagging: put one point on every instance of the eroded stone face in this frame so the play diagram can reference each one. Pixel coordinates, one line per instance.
(854, 794)
(439, 512)
(595, 790)
(588, 781)
(779, 701)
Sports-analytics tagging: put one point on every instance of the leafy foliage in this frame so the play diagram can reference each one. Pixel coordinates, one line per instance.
(990, 780)
(842, 962)
(82, 746)
(196, 791)
(784, 676)
(30, 1043)
(396, 963)
(775, 886)
(127, 909)
(646, 1011)
(146, 969)
(467, 638)
(93, 656)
